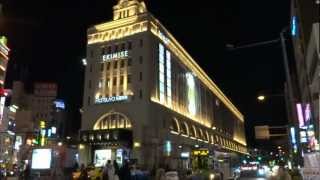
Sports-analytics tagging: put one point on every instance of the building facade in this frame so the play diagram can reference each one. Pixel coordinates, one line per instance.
(6, 136)
(146, 99)
(305, 38)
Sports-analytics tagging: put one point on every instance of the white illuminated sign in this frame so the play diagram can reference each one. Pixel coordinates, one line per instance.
(117, 55)
(111, 99)
(101, 157)
(2, 104)
(185, 155)
(41, 159)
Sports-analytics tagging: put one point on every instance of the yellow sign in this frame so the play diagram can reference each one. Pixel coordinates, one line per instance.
(42, 124)
(201, 152)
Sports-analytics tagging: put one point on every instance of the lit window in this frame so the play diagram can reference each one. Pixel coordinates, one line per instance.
(115, 64)
(122, 64)
(121, 80)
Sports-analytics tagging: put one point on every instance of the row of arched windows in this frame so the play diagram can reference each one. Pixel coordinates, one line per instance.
(195, 132)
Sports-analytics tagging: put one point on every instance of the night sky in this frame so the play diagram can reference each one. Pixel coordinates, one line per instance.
(49, 39)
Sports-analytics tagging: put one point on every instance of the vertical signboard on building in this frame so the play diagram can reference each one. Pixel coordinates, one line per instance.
(2, 104)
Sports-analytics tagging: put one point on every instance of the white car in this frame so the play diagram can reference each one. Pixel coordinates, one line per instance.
(172, 175)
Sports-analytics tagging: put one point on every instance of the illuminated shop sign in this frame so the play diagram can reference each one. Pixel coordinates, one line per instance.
(3, 48)
(59, 104)
(185, 155)
(294, 26)
(117, 55)
(201, 152)
(303, 137)
(300, 115)
(293, 135)
(111, 99)
(307, 113)
(168, 148)
(2, 104)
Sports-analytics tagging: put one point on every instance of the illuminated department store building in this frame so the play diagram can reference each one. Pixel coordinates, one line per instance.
(146, 98)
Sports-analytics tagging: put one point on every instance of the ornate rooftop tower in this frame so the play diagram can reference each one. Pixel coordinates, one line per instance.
(127, 8)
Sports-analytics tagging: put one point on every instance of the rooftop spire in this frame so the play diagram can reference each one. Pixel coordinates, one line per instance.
(127, 8)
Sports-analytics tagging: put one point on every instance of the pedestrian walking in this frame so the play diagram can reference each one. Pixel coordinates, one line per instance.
(27, 172)
(83, 173)
(124, 173)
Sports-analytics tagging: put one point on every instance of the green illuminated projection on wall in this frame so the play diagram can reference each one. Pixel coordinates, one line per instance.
(161, 74)
(168, 67)
(191, 94)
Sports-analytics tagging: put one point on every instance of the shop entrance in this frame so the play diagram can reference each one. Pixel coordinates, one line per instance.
(200, 159)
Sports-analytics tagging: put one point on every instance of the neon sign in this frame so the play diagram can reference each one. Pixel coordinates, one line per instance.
(117, 55)
(293, 135)
(111, 99)
(294, 26)
(300, 115)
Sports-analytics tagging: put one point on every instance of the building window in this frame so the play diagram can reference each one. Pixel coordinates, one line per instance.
(108, 66)
(141, 43)
(89, 84)
(129, 45)
(129, 79)
(114, 81)
(129, 62)
(140, 76)
(127, 13)
(116, 48)
(140, 59)
(140, 94)
(109, 50)
(121, 93)
(102, 50)
(91, 54)
(89, 100)
(100, 83)
(121, 80)
(102, 66)
(108, 82)
(122, 64)
(123, 46)
(115, 64)
(90, 67)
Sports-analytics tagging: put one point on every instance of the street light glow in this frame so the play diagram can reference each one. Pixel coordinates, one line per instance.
(261, 98)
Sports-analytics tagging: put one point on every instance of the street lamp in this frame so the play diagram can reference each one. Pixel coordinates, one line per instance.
(261, 98)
